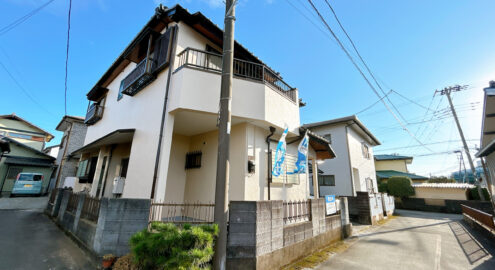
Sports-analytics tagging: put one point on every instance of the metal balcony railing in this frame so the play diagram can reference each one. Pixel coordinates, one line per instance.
(94, 114)
(244, 69)
(139, 78)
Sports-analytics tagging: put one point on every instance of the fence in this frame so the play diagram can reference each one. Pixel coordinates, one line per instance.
(180, 213)
(213, 62)
(91, 209)
(72, 204)
(296, 211)
(482, 217)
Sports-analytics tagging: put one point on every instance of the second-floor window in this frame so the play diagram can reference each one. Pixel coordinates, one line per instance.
(366, 150)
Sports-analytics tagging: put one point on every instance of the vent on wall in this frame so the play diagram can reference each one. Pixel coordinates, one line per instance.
(193, 160)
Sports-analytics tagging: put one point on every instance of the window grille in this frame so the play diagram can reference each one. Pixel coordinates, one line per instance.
(193, 160)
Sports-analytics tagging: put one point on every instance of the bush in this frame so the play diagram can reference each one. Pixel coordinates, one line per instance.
(125, 263)
(474, 195)
(383, 187)
(441, 179)
(400, 186)
(165, 246)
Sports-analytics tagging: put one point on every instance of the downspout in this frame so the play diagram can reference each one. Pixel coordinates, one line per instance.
(164, 110)
(272, 131)
(349, 159)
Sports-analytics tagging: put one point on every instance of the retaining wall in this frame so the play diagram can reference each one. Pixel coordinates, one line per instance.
(258, 238)
(118, 220)
(441, 205)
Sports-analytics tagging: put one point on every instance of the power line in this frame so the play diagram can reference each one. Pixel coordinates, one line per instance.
(67, 56)
(412, 101)
(433, 143)
(376, 102)
(33, 99)
(361, 58)
(364, 76)
(22, 19)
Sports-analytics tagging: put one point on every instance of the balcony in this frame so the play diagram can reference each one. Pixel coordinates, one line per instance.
(94, 114)
(145, 72)
(242, 69)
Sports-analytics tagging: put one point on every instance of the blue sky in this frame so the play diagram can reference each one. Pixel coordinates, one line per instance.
(413, 47)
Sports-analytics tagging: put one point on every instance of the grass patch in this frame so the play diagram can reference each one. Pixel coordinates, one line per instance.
(318, 257)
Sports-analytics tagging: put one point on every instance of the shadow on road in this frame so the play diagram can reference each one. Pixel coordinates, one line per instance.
(405, 229)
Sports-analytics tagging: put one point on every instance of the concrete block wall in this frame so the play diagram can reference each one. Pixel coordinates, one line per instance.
(118, 220)
(258, 239)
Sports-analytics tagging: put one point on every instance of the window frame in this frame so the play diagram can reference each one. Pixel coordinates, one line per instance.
(323, 183)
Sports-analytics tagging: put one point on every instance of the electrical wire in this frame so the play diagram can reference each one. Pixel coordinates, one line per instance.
(362, 60)
(14, 24)
(32, 98)
(364, 76)
(67, 56)
(376, 102)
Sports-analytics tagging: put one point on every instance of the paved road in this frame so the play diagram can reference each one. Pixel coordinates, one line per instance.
(417, 240)
(29, 240)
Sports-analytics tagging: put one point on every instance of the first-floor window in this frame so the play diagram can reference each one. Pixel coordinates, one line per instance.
(326, 180)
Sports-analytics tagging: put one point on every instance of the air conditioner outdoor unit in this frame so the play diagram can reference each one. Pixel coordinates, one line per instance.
(118, 185)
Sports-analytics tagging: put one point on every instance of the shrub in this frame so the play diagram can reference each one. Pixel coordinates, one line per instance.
(125, 263)
(165, 246)
(440, 179)
(474, 195)
(383, 187)
(400, 186)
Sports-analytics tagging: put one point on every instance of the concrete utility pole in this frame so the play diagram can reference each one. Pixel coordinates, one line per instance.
(222, 180)
(446, 91)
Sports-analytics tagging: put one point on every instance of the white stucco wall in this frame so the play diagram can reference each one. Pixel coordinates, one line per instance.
(366, 166)
(338, 166)
(395, 165)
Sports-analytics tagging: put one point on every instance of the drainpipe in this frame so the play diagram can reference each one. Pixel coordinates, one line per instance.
(164, 110)
(272, 131)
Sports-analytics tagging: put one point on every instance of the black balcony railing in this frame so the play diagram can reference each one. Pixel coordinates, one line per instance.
(244, 69)
(94, 114)
(139, 78)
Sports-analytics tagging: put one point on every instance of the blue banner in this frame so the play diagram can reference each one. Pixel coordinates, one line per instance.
(302, 156)
(280, 155)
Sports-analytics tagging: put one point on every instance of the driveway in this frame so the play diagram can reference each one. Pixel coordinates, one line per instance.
(30, 240)
(417, 240)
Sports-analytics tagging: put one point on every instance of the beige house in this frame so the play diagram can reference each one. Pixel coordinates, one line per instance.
(487, 151)
(152, 119)
(395, 165)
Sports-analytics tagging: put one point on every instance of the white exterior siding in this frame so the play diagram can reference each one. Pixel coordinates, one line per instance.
(366, 166)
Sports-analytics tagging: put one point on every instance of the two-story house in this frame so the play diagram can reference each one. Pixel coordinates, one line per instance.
(74, 131)
(487, 144)
(353, 170)
(152, 119)
(395, 165)
(26, 142)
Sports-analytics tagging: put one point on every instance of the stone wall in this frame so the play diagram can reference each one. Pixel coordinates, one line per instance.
(366, 208)
(441, 205)
(118, 220)
(388, 203)
(258, 238)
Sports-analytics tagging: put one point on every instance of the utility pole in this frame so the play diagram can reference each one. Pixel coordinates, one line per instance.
(222, 179)
(446, 91)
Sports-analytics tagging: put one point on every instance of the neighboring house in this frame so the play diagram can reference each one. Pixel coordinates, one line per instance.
(152, 121)
(353, 170)
(26, 144)
(395, 165)
(74, 131)
(52, 150)
(487, 151)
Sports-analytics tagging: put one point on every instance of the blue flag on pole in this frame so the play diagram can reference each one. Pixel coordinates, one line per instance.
(280, 154)
(302, 155)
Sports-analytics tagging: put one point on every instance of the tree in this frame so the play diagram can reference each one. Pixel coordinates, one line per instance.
(400, 186)
(441, 179)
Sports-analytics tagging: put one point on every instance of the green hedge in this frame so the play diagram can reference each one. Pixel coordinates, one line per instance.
(474, 195)
(383, 187)
(400, 186)
(165, 246)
